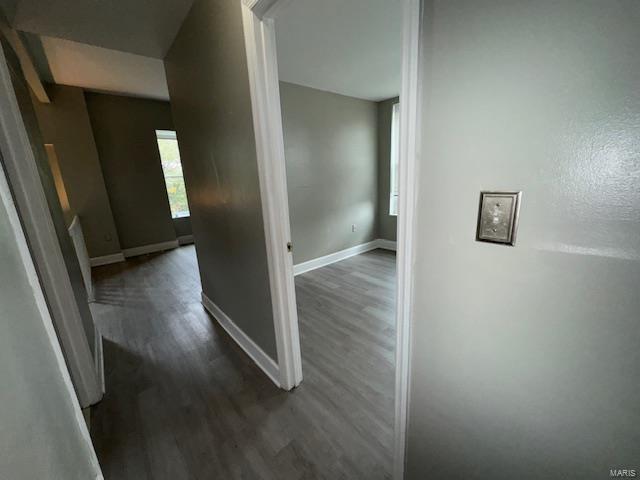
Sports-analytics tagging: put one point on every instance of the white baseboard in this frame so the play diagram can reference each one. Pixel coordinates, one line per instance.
(107, 259)
(99, 358)
(264, 361)
(185, 239)
(91, 294)
(342, 255)
(152, 248)
(333, 257)
(142, 250)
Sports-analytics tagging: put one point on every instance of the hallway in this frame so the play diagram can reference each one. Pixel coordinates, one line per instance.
(183, 400)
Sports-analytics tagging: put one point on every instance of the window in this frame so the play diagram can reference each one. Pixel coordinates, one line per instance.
(172, 168)
(395, 156)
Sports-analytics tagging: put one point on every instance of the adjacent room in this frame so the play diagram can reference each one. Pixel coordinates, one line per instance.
(115, 148)
(339, 72)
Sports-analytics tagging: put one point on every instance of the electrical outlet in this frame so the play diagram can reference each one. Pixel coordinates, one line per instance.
(353, 227)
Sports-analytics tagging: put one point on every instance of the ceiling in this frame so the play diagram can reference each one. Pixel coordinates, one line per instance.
(351, 47)
(143, 27)
(114, 46)
(77, 64)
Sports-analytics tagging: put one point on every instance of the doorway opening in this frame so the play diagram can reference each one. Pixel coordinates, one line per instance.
(261, 26)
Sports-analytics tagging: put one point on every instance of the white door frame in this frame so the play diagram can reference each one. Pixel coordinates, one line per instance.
(260, 43)
(410, 122)
(27, 261)
(259, 28)
(20, 163)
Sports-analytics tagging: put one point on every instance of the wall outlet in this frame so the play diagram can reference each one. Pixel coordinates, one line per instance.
(353, 227)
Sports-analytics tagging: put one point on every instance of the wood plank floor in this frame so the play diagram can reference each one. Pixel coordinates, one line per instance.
(184, 402)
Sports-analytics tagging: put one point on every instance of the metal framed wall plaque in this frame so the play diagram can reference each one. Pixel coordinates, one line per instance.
(498, 217)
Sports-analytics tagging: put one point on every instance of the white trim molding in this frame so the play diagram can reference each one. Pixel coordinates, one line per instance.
(152, 248)
(99, 357)
(29, 70)
(260, 45)
(22, 174)
(260, 358)
(185, 240)
(266, 9)
(340, 255)
(8, 123)
(77, 237)
(408, 165)
(107, 259)
(142, 250)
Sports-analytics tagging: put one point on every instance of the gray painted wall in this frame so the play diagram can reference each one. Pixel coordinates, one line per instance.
(387, 224)
(65, 123)
(211, 104)
(525, 360)
(182, 226)
(124, 130)
(331, 155)
(39, 435)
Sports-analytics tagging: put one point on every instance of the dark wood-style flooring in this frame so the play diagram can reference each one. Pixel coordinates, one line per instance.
(183, 400)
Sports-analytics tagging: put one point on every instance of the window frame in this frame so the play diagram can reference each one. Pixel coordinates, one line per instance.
(171, 135)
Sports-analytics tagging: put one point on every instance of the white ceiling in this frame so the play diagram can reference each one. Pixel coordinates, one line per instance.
(143, 27)
(351, 47)
(105, 70)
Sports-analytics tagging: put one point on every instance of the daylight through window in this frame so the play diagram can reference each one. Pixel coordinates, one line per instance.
(172, 168)
(395, 156)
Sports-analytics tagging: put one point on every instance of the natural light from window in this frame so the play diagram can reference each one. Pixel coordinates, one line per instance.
(395, 156)
(172, 169)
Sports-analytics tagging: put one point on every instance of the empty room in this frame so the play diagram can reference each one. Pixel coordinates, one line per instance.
(339, 84)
